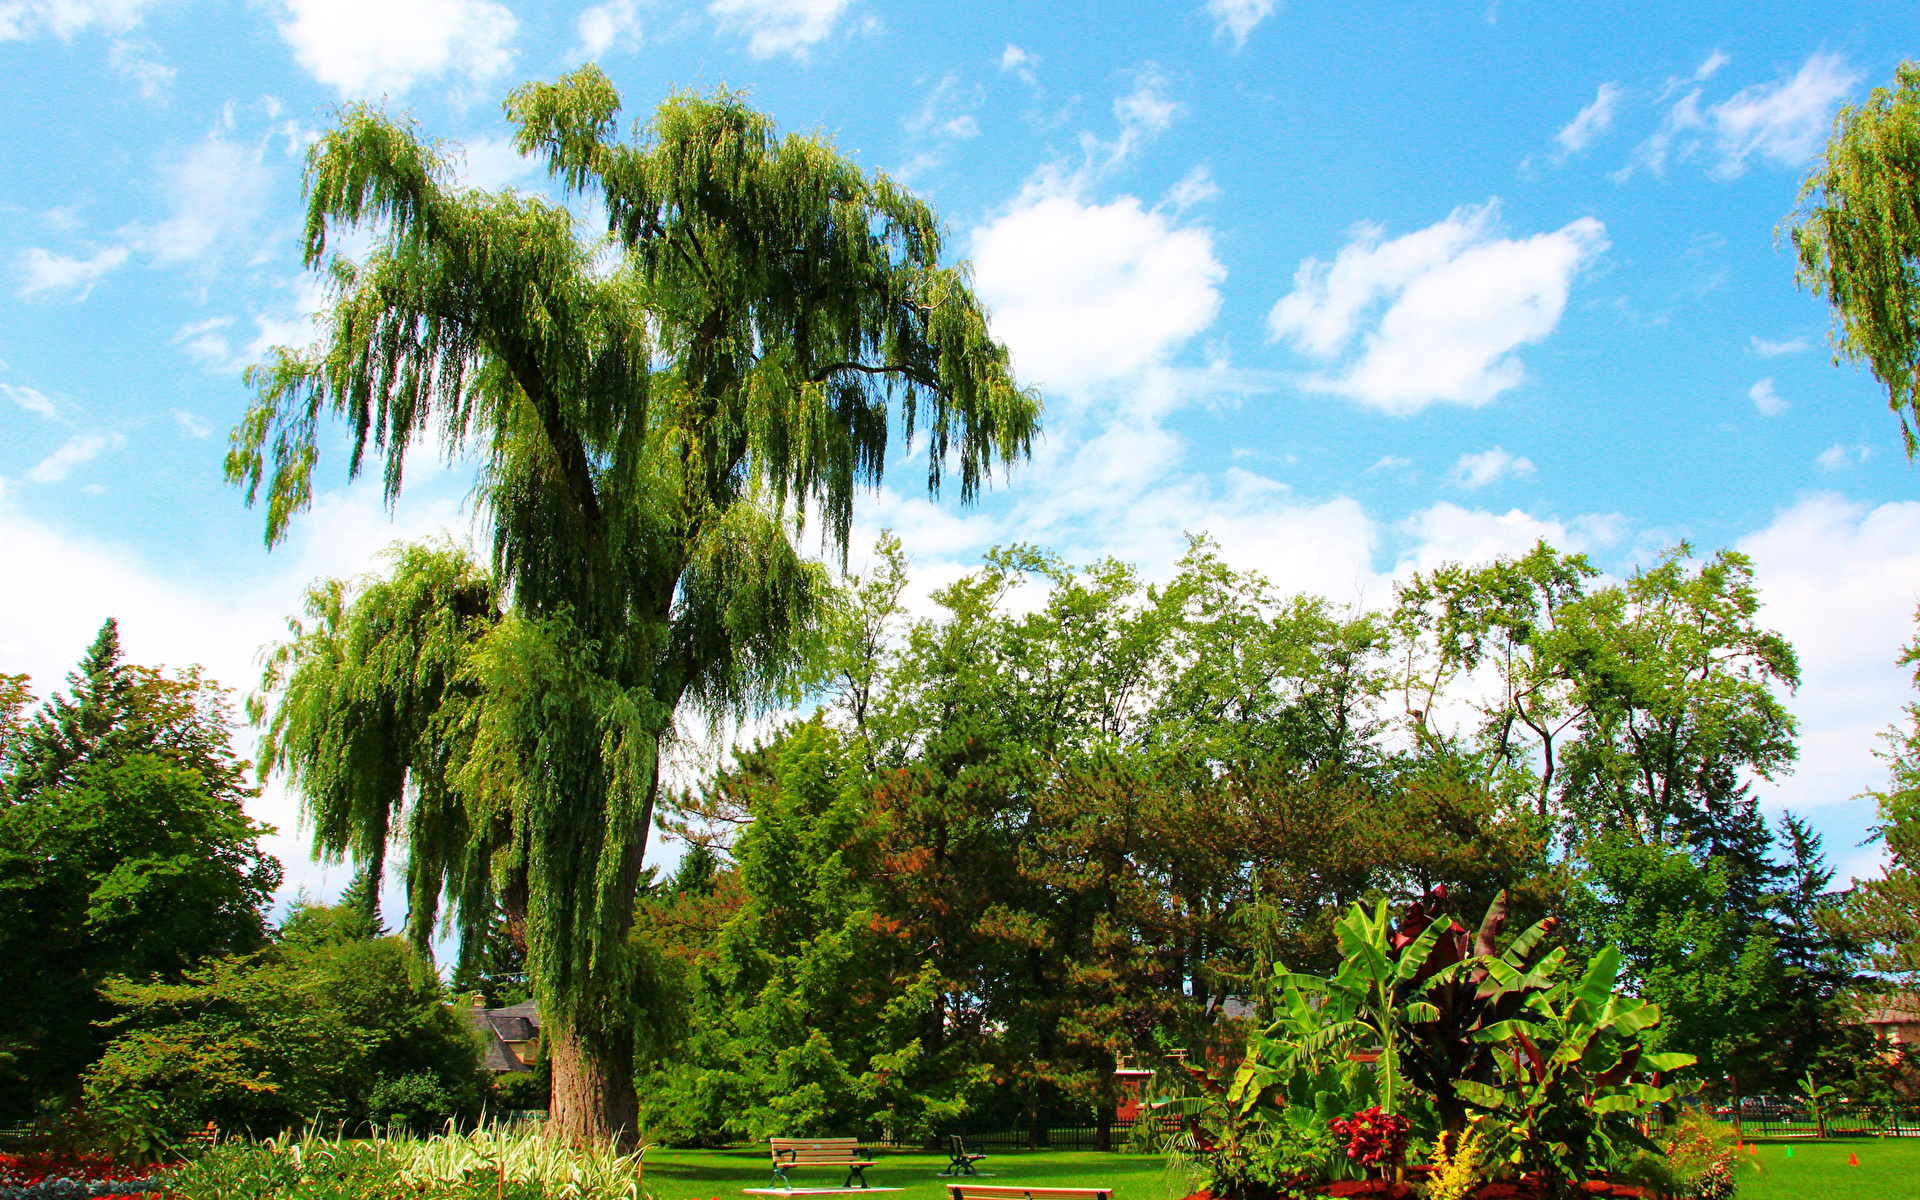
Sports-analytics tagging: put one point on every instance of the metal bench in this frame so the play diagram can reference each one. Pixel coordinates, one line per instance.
(959, 1161)
(789, 1153)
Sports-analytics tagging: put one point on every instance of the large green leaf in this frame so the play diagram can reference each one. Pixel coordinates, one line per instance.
(1596, 986)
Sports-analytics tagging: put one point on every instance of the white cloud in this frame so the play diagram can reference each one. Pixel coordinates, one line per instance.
(1592, 121)
(1839, 458)
(174, 613)
(1839, 581)
(368, 48)
(1710, 66)
(190, 424)
(1195, 187)
(1783, 123)
(30, 399)
(490, 163)
(1446, 532)
(1458, 301)
(1488, 466)
(1391, 462)
(607, 26)
(83, 449)
(216, 191)
(779, 26)
(1766, 401)
(1019, 62)
(41, 271)
(136, 61)
(1770, 349)
(22, 19)
(943, 113)
(1238, 18)
(1087, 293)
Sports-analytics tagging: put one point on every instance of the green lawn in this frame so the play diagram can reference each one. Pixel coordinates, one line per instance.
(721, 1174)
(1889, 1170)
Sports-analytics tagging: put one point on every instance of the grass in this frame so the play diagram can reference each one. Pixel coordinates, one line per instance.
(1889, 1168)
(722, 1174)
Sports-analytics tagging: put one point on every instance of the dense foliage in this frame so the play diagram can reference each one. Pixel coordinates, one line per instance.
(124, 851)
(330, 1024)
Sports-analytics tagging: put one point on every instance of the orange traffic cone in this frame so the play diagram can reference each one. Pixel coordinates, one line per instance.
(1853, 1160)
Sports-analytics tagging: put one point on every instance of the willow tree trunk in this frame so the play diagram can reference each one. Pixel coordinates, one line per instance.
(593, 1098)
(593, 1101)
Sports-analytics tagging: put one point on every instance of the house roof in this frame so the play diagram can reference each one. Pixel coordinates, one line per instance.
(495, 1054)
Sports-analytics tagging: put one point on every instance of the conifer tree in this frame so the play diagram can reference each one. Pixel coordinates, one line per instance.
(650, 437)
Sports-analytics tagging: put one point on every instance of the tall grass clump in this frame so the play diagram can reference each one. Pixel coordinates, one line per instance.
(489, 1163)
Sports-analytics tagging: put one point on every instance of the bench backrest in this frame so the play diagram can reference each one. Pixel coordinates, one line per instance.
(814, 1150)
(969, 1191)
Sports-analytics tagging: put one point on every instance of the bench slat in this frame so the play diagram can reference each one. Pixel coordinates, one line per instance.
(966, 1191)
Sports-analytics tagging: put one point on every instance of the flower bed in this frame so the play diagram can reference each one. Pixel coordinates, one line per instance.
(50, 1176)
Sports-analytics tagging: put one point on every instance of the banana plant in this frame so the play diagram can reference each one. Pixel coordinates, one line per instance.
(1572, 1073)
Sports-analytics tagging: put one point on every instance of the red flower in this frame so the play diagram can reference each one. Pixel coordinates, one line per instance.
(1374, 1138)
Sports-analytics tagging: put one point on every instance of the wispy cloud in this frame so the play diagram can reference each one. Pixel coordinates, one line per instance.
(83, 449)
(1782, 123)
(1771, 349)
(610, 26)
(1238, 18)
(791, 27)
(43, 271)
(1592, 121)
(1489, 466)
(1768, 402)
(1839, 458)
(22, 19)
(30, 399)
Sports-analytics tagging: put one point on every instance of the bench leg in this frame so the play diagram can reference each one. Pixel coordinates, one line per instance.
(780, 1179)
(855, 1173)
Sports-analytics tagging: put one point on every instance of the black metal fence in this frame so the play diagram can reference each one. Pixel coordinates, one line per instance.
(1841, 1120)
(1013, 1133)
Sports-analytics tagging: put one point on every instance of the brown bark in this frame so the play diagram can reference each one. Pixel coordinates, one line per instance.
(593, 1097)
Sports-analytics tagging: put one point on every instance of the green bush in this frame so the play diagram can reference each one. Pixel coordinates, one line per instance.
(324, 1026)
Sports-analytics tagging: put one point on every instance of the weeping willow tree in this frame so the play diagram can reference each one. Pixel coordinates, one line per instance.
(656, 414)
(1856, 233)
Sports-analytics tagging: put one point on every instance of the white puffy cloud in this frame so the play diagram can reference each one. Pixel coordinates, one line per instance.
(22, 19)
(1592, 121)
(1238, 18)
(1488, 466)
(42, 271)
(779, 26)
(1446, 532)
(1087, 293)
(1766, 401)
(30, 399)
(1710, 65)
(78, 450)
(1453, 301)
(1840, 580)
(173, 613)
(604, 27)
(374, 47)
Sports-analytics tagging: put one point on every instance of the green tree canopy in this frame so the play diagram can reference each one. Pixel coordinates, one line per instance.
(652, 429)
(1856, 233)
(124, 850)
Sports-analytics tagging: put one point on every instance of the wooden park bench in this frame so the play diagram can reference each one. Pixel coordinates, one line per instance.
(981, 1191)
(789, 1153)
(959, 1161)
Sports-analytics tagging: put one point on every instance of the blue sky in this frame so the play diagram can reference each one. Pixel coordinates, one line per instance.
(1356, 288)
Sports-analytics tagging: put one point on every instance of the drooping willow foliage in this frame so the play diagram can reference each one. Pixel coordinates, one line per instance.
(654, 414)
(1857, 236)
